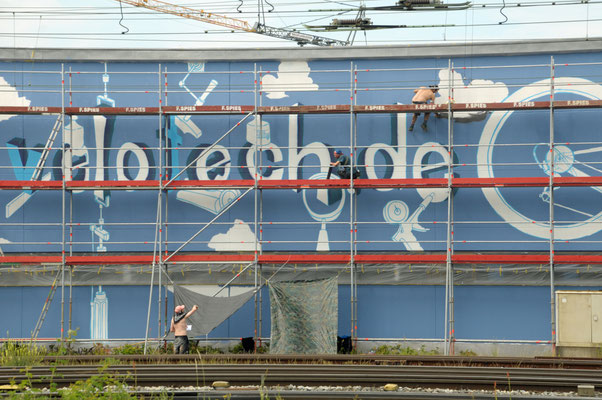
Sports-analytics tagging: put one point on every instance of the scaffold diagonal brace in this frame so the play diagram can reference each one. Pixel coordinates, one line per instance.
(208, 224)
(208, 148)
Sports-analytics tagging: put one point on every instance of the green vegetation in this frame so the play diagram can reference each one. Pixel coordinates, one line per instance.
(103, 386)
(16, 353)
(64, 347)
(21, 354)
(196, 349)
(398, 350)
(128, 349)
(263, 390)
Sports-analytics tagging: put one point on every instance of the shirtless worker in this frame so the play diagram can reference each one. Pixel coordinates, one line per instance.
(423, 96)
(178, 326)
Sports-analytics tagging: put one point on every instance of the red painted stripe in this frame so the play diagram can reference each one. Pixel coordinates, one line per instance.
(313, 258)
(311, 183)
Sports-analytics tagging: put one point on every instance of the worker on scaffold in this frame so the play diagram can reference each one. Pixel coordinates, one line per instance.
(423, 96)
(343, 166)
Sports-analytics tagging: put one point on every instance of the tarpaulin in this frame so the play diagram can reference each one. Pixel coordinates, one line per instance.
(212, 310)
(304, 317)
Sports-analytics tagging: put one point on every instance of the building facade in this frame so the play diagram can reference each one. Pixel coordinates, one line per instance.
(207, 168)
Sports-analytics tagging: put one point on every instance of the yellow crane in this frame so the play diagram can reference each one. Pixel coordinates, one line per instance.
(233, 23)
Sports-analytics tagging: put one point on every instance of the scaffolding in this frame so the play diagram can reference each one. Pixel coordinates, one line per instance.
(161, 253)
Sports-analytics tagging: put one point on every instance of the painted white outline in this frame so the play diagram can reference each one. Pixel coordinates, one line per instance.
(323, 240)
(578, 86)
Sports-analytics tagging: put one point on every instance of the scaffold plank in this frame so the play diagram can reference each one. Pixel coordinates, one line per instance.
(304, 258)
(312, 258)
(525, 259)
(303, 183)
(112, 110)
(523, 105)
(30, 259)
(406, 258)
(110, 260)
(43, 110)
(501, 258)
(183, 110)
(308, 183)
(33, 185)
(304, 109)
(399, 183)
(209, 184)
(578, 259)
(208, 258)
(79, 185)
(318, 109)
(570, 104)
(578, 181)
(502, 182)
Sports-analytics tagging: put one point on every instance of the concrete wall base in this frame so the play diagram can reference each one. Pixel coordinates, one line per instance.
(490, 349)
(574, 351)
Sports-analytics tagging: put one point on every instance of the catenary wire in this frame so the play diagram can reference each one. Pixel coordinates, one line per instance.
(152, 15)
(221, 31)
(133, 10)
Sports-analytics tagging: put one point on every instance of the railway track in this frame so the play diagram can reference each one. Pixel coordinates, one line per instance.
(276, 373)
(314, 375)
(354, 395)
(361, 359)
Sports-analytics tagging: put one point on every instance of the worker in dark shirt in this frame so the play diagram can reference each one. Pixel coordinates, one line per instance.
(342, 165)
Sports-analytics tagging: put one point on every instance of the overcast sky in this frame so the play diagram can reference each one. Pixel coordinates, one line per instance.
(100, 23)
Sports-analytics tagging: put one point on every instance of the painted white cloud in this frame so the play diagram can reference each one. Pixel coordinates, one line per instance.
(477, 91)
(293, 76)
(238, 238)
(10, 97)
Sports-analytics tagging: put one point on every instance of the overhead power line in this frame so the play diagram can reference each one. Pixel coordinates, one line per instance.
(245, 42)
(234, 23)
(136, 18)
(107, 10)
(223, 31)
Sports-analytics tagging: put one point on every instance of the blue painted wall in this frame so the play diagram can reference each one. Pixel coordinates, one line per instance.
(494, 219)
(481, 312)
(131, 145)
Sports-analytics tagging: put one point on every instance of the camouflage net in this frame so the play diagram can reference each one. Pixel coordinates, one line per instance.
(304, 317)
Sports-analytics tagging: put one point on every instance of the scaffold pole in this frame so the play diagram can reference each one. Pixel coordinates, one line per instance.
(552, 156)
(160, 202)
(63, 196)
(206, 151)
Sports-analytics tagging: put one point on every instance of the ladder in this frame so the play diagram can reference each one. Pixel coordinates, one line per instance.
(44, 312)
(47, 148)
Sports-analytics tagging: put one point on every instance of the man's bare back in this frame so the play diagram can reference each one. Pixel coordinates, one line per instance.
(423, 94)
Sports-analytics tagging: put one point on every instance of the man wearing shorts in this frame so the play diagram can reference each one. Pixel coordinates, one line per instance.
(178, 326)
